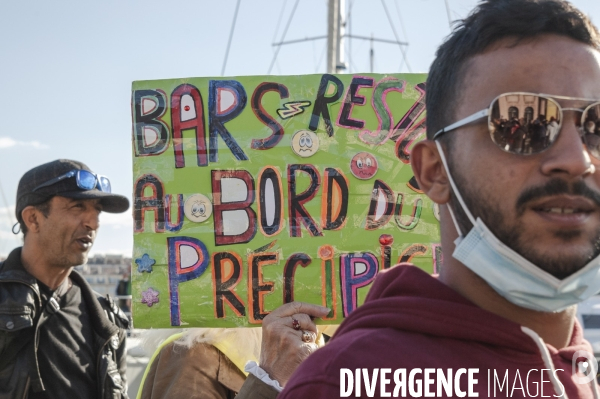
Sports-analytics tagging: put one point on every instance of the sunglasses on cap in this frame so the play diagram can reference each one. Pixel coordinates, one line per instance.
(85, 180)
(528, 123)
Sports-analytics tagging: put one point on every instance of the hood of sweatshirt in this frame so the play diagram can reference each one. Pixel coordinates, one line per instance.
(409, 299)
(412, 321)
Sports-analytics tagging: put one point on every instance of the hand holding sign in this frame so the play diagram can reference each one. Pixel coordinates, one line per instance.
(283, 347)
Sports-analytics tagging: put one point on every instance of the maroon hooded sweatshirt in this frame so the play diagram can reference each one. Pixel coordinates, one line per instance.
(412, 321)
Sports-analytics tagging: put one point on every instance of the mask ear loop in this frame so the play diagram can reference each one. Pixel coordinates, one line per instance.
(455, 189)
(454, 221)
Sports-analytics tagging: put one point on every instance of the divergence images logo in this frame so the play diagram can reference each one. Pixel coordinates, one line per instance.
(585, 367)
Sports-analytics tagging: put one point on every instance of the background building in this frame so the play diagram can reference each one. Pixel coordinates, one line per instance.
(104, 271)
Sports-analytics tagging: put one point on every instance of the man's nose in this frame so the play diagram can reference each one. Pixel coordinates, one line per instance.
(92, 219)
(568, 156)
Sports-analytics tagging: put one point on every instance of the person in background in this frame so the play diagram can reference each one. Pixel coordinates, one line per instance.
(552, 129)
(124, 290)
(58, 338)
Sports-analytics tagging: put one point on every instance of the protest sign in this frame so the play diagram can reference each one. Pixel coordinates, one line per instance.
(250, 192)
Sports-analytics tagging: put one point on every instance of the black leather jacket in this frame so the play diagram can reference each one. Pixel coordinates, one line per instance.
(20, 314)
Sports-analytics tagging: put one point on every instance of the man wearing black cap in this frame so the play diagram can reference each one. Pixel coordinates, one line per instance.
(58, 338)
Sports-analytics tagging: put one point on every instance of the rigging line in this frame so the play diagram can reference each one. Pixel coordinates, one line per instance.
(353, 65)
(321, 57)
(237, 7)
(403, 30)
(402, 50)
(405, 58)
(448, 13)
(283, 35)
(283, 3)
(349, 23)
(361, 45)
(401, 21)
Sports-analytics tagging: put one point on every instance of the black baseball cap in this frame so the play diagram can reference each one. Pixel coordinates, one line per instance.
(112, 203)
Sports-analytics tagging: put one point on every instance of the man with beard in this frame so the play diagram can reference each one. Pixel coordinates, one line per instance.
(520, 232)
(58, 338)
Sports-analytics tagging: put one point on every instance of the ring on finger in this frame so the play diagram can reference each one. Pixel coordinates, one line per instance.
(306, 336)
(295, 324)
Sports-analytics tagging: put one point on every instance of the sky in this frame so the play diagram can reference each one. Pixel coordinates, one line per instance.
(67, 68)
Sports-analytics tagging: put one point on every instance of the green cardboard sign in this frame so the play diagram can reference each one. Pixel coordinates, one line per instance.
(250, 192)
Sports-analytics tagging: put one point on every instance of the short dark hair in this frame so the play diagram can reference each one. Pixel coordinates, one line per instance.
(44, 208)
(490, 22)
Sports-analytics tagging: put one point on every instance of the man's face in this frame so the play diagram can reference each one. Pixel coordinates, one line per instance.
(69, 231)
(545, 206)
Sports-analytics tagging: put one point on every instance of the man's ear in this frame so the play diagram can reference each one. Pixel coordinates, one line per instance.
(30, 217)
(429, 171)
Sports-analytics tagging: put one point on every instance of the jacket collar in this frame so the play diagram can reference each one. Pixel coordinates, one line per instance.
(13, 262)
(13, 269)
(98, 316)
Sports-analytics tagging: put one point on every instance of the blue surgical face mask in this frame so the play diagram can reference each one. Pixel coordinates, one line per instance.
(514, 277)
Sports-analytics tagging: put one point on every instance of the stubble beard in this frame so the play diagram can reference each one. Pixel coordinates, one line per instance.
(65, 258)
(68, 260)
(559, 265)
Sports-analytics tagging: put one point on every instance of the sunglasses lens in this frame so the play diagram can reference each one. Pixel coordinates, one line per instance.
(86, 180)
(104, 184)
(524, 123)
(591, 129)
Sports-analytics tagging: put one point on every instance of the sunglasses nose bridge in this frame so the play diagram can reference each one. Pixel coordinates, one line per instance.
(575, 113)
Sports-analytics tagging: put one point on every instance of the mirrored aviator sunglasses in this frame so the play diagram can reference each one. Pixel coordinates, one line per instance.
(528, 123)
(85, 180)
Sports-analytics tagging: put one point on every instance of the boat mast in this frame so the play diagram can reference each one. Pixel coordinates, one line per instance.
(335, 36)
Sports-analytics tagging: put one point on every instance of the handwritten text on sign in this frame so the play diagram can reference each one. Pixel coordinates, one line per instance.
(239, 181)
